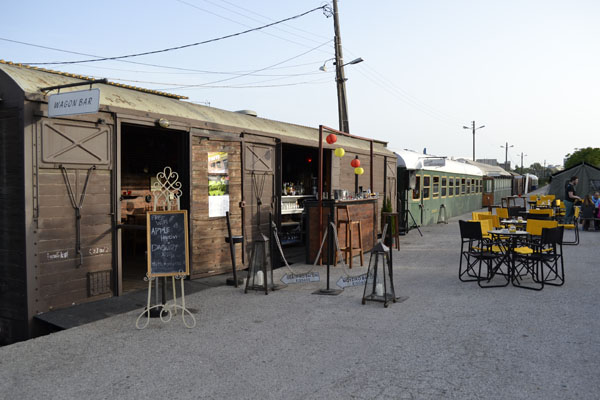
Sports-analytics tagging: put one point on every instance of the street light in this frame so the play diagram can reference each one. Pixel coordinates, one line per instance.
(506, 154)
(474, 129)
(324, 66)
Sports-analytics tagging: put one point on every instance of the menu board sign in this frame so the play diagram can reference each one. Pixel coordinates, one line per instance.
(167, 243)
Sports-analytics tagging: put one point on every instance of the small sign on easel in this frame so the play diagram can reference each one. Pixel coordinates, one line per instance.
(167, 256)
(167, 243)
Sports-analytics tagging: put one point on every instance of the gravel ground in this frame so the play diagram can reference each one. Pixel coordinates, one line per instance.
(448, 340)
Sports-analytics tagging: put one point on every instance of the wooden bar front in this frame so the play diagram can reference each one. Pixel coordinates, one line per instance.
(364, 210)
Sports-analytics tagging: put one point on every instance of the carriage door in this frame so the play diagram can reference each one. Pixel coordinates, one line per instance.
(74, 210)
(217, 188)
(488, 191)
(258, 188)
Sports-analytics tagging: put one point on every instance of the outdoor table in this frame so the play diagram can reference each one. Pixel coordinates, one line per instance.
(516, 222)
(509, 243)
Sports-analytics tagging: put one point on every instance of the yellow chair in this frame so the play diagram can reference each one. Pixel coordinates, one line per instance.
(502, 213)
(544, 211)
(476, 213)
(573, 226)
(560, 208)
(494, 218)
(534, 228)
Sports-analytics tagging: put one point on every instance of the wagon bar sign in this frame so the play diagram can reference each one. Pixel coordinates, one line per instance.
(71, 103)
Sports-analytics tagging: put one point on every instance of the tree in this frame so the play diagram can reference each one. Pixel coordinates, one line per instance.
(589, 155)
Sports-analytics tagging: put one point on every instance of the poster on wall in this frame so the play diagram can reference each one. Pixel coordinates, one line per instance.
(218, 184)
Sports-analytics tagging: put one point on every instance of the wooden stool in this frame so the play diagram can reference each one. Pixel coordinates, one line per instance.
(348, 249)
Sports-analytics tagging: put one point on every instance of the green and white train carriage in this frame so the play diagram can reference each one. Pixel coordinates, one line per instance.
(432, 189)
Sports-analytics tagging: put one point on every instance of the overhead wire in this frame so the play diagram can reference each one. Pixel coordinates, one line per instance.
(321, 37)
(255, 71)
(243, 24)
(178, 47)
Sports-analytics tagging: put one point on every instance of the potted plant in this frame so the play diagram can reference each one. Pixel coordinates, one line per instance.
(391, 229)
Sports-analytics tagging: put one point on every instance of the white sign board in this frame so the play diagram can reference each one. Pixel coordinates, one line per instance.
(352, 281)
(301, 278)
(434, 162)
(71, 103)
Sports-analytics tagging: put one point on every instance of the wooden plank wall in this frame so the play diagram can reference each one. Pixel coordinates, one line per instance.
(210, 253)
(59, 281)
(13, 281)
(259, 160)
(363, 211)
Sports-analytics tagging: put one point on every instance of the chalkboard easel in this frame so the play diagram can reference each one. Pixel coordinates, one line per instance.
(167, 256)
(167, 243)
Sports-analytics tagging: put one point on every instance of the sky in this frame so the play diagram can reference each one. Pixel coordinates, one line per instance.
(526, 69)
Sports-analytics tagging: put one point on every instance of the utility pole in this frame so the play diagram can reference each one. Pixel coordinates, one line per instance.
(474, 129)
(506, 154)
(522, 155)
(344, 126)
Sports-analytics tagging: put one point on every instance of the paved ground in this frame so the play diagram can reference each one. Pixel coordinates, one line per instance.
(448, 340)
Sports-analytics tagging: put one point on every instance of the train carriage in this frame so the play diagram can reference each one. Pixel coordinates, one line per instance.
(432, 189)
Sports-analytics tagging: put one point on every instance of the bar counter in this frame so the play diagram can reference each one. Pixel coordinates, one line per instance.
(363, 210)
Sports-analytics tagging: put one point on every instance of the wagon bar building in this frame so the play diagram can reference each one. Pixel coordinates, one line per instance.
(98, 168)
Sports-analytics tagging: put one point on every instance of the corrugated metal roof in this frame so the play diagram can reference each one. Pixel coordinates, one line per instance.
(31, 80)
(414, 161)
(488, 170)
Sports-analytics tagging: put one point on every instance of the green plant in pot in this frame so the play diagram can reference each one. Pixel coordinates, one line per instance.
(387, 208)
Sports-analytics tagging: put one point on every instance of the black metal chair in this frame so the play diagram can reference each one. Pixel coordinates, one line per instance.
(544, 264)
(552, 269)
(477, 251)
(515, 212)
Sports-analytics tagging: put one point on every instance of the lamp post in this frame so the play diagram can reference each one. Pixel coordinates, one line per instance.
(506, 154)
(474, 129)
(339, 73)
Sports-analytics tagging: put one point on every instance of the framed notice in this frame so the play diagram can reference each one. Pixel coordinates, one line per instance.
(218, 184)
(167, 243)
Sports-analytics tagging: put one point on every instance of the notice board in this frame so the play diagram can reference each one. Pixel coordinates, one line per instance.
(167, 243)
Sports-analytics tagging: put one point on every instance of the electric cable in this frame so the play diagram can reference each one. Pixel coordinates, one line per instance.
(179, 47)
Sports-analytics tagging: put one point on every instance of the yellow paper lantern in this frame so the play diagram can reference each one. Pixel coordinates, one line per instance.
(359, 171)
(339, 152)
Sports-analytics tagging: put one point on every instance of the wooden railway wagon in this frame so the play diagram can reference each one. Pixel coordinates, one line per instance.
(118, 151)
(432, 189)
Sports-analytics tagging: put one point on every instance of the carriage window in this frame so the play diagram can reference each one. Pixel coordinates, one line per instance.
(436, 186)
(462, 186)
(450, 186)
(444, 186)
(426, 186)
(468, 186)
(416, 195)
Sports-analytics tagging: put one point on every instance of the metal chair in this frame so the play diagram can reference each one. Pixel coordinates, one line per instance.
(544, 264)
(572, 225)
(477, 251)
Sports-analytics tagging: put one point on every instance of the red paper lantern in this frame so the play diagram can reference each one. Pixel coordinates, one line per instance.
(355, 163)
(331, 138)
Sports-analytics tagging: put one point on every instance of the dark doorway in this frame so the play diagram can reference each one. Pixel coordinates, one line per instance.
(145, 151)
(299, 174)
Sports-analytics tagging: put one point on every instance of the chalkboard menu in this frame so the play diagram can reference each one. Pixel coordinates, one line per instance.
(167, 243)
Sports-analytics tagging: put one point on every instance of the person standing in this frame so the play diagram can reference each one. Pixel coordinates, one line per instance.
(570, 197)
